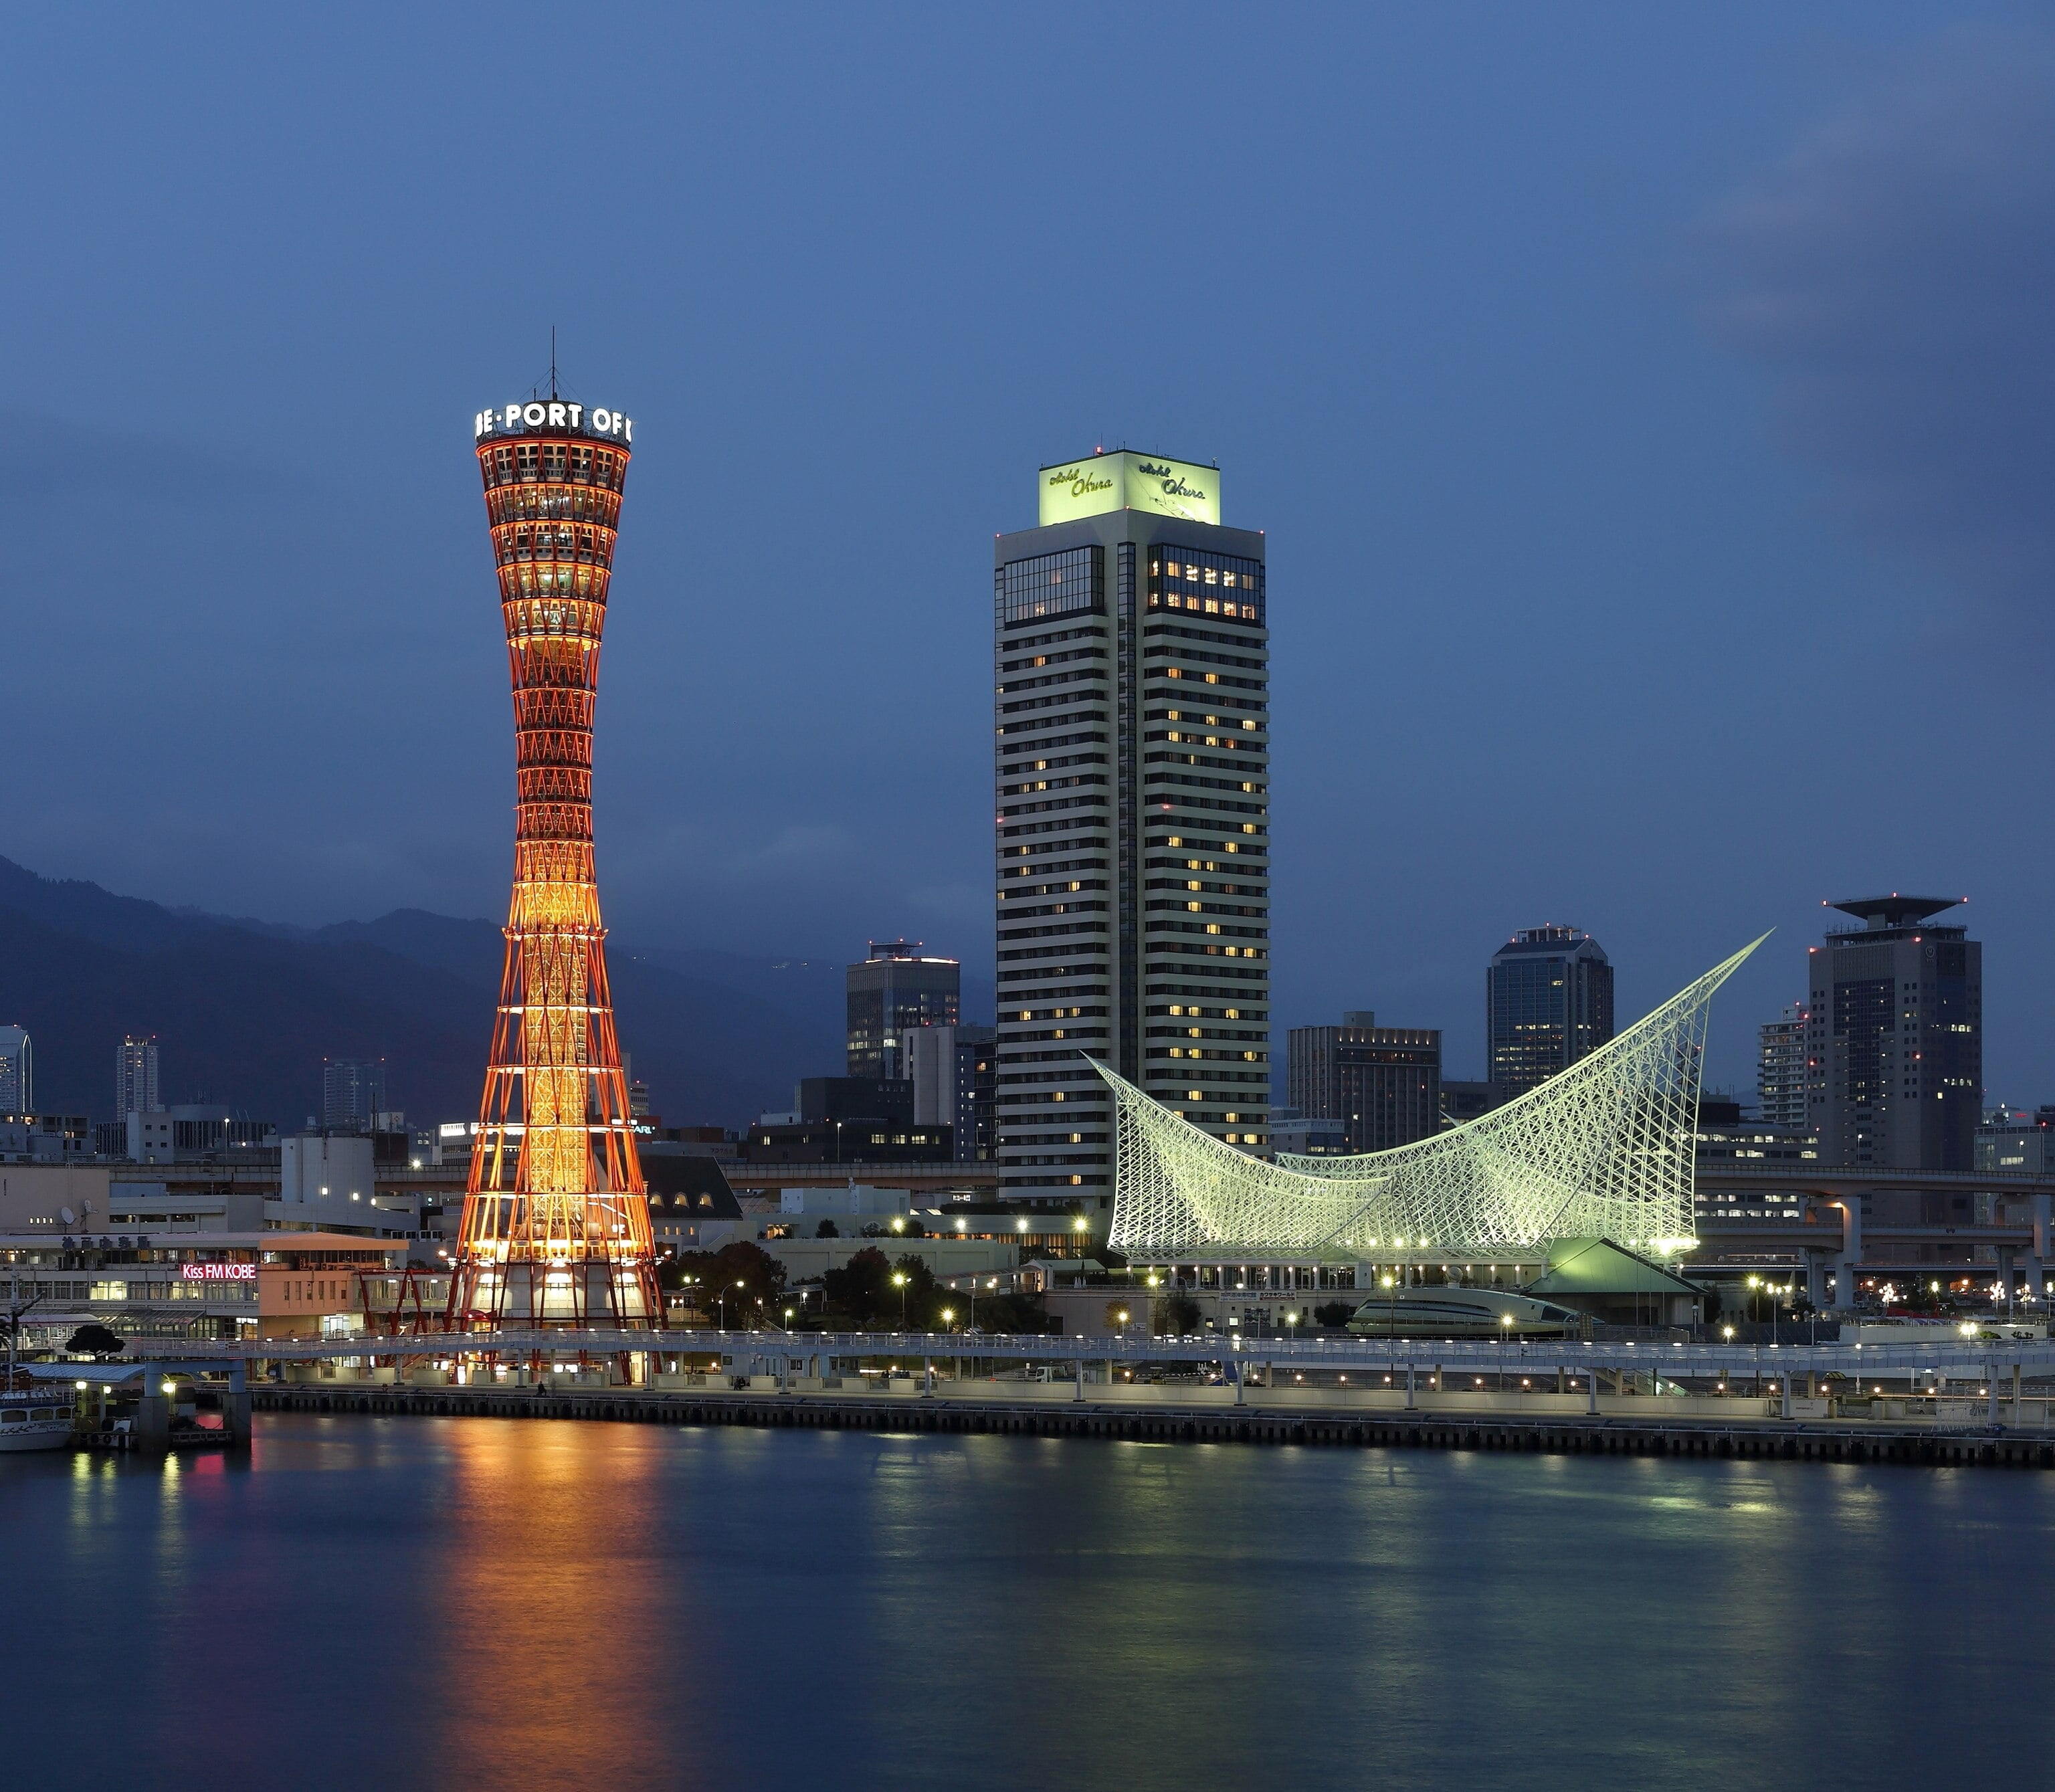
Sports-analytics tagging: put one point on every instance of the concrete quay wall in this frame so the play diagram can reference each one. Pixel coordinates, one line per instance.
(1175, 1420)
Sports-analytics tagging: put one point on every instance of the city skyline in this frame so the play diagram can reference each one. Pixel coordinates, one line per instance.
(1352, 1045)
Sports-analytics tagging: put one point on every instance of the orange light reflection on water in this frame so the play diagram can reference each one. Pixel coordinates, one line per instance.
(554, 1648)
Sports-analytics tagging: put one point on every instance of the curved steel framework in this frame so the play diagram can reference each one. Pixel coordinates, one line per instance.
(1602, 1149)
(556, 1222)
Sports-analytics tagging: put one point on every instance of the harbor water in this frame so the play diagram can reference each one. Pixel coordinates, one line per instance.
(470, 1603)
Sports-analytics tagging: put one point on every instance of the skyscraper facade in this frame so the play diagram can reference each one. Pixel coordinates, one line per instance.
(1548, 1003)
(1782, 1074)
(1381, 1085)
(17, 1072)
(894, 990)
(1895, 1035)
(953, 1070)
(352, 1094)
(1132, 814)
(135, 1076)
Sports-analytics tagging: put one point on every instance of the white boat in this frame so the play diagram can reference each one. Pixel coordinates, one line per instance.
(32, 1415)
(33, 1421)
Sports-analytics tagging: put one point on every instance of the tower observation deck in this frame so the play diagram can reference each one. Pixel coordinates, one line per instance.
(556, 1222)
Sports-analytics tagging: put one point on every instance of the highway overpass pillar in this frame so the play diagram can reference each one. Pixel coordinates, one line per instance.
(1851, 1259)
(1816, 1280)
(2036, 1266)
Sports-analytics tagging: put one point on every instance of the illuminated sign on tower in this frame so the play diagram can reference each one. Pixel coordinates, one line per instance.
(556, 1223)
(1126, 481)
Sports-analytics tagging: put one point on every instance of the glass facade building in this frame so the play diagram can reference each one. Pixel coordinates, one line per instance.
(1381, 1085)
(1894, 1038)
(894, 990)
(352, 1094)
(1548, 1003)
(135, 1076)
(17, 1072)
(1131, 679)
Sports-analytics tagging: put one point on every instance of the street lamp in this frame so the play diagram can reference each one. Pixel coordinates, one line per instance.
(899, 1278)
(1504, 1332)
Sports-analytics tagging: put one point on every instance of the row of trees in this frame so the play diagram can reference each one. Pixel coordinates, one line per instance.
(742, 1285)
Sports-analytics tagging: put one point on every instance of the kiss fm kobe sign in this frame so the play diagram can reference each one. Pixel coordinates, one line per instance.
(548, 416)
(1125, 481)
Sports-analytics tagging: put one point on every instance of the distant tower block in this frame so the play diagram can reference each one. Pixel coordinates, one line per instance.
(556, 1223)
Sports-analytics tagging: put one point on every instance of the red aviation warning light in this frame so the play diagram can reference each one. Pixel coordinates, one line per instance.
(556, 1222)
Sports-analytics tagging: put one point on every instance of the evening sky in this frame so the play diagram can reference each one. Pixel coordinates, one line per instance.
(1648, 409)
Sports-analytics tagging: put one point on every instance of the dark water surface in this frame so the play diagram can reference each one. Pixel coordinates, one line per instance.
(468, 1603)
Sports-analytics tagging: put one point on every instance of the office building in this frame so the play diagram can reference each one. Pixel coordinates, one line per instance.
(1464, 1100)
(17, 1072)
(1132, 729)
(855, 1141)
(182, 1133)
(894, 990)
(135, 1076)
(853, 1098)
(1382, 1085)
(352, 1094)
(1306, 1135)
(2019, 1144)
(953, 1072)
(45, 1138)
(1548, 1003)
(1782, 1070)
(1896, 1032)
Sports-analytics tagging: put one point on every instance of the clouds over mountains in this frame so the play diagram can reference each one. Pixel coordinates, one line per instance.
(1894, 278)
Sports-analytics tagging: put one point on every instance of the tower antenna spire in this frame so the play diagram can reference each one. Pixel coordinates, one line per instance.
(553, 361)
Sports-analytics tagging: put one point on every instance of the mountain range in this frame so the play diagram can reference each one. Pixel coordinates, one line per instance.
(245, 1011)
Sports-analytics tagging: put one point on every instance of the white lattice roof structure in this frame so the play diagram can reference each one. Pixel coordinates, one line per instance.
(1602, 1149)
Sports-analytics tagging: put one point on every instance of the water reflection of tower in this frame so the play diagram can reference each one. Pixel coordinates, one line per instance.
(556, 1225)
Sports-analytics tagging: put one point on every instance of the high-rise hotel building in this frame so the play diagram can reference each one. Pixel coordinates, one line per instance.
(1133, 808)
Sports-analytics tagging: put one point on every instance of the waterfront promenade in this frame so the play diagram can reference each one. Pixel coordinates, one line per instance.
(1942, 1399)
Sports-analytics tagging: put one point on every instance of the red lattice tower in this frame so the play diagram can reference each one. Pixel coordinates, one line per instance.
(556, 1223)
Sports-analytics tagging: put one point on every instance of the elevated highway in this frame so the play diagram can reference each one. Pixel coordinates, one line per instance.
(1837, 1224)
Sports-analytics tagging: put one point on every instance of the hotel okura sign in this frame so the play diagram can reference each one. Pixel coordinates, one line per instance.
(1126, 481)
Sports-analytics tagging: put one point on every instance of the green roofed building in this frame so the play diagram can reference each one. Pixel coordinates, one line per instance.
(1615, 1285)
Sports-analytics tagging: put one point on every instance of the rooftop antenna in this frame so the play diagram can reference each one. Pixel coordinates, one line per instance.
(553, 361)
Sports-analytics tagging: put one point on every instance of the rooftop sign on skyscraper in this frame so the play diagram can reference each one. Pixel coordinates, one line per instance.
(1125, 481)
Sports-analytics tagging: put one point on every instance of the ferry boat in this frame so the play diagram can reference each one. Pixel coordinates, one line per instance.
(34, 1417)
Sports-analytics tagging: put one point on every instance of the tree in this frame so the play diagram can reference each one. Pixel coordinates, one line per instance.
(761, 1275)
(828, 1229)
(94, 1340)
(1011, 1312)
(1176, 1316)
(858, 1290)
(922, 1298)
(1335, 1315)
